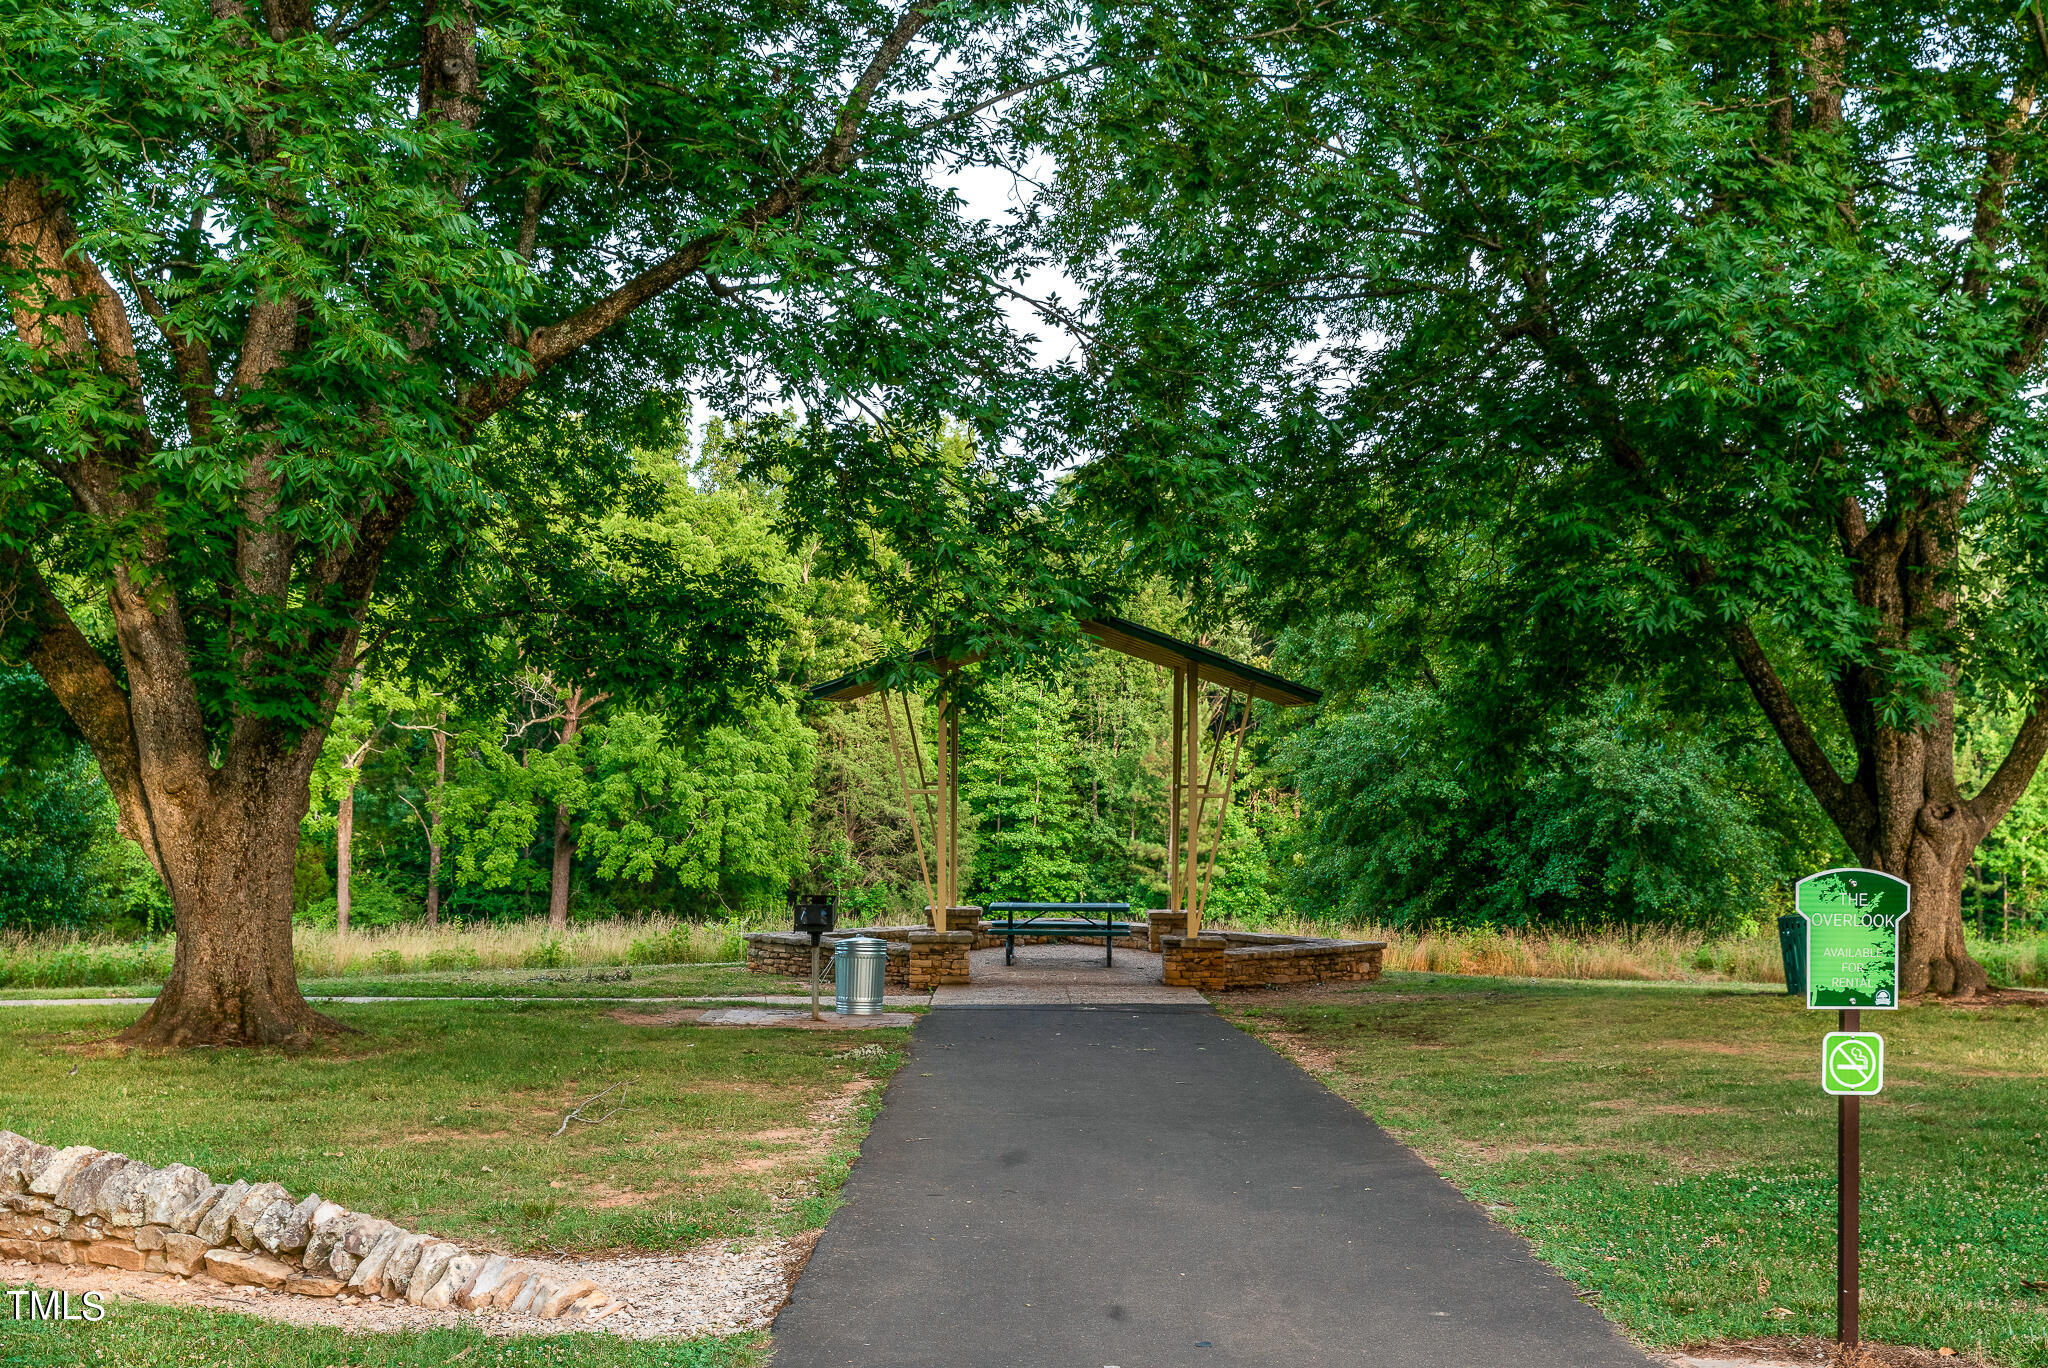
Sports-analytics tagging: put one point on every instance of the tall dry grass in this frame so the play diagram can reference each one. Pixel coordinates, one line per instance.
(67, 960)
(321, 952)
(1645, 955)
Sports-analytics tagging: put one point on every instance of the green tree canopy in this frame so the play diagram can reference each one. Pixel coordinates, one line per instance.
(1598, 338)
(274, 269)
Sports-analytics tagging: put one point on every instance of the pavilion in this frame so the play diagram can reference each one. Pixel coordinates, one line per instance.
(1211, 712)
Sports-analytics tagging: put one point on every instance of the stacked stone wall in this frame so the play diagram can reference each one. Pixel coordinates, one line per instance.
(938, 957)
(787, 954)
(80, 1205)
(1216, 962)
(1159, 922)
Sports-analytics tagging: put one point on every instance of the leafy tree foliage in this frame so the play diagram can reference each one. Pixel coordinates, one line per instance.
(273, 269)
(1018, 773)
(1612, 816)
(1598, 337)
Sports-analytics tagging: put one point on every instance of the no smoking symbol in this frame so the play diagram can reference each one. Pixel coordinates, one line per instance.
(1852, 1063)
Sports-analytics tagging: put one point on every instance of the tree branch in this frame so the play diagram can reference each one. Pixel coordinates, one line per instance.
(190, 358)
(2015, 772)
(1845, 805)
(89, 693)
(547, 346)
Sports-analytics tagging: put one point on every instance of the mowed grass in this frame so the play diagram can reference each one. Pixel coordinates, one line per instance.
(1668, 1148)
(139, 1336)
(710, 982)
(439, 1116)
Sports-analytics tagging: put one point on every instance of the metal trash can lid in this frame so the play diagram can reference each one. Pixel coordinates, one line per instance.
(864, 945)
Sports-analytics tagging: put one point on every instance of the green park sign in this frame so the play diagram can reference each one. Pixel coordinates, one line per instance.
(1852, 937)
(1852, 1063)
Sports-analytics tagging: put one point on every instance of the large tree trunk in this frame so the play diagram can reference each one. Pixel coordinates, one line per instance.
(1901, 811)
(228, 868)
(1925, 835)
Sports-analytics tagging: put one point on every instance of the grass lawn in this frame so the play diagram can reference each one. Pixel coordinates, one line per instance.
(135, 1336)
(1669, 1149)
(663, 980)
(438, 1116)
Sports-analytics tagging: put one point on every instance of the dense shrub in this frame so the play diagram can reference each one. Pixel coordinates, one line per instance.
(69, 962)
(1613, 815)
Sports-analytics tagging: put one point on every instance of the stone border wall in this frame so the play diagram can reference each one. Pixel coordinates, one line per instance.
(1217, 961)
(83, 1206)
(938, 957)
(1160, 922)
(787, 954)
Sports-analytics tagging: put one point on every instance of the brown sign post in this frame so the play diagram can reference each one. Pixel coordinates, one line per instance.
(1852, 963)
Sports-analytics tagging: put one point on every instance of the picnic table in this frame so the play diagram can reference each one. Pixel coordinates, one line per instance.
(1060, 921)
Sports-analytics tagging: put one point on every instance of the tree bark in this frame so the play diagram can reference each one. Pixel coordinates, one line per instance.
(344, 855)
(574, 706)
(558, 885)
(434, 829)
(1901, 811)
(227, 864)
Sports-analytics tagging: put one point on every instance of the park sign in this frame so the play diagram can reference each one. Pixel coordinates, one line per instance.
(1852, 937)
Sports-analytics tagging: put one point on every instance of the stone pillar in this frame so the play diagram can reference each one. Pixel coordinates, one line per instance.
(1193, 962)
(964, 917)
(938, 957)
(1164, 923)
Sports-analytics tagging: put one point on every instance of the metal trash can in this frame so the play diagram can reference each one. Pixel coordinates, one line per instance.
(860, 965)
(1792, 945)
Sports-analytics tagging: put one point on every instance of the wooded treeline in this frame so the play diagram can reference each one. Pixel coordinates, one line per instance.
(1389, 803)
(1624, 411)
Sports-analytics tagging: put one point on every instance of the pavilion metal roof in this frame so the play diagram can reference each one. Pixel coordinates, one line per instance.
(1132, 639)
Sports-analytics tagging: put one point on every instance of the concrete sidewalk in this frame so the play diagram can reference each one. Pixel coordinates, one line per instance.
(1146, 1187)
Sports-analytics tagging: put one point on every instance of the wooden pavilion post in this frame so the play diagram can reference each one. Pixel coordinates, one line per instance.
(924, 867)
(1191, 711)
(952, 802)
(945, 811)
(1173, 800)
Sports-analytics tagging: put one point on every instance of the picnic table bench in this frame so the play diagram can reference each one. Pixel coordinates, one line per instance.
(1046, 920)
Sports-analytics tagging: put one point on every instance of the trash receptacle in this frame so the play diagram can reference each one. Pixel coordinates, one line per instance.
(1792, 943)
(859, 966)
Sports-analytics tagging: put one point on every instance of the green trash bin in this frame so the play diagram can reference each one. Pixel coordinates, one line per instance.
(1792, 943)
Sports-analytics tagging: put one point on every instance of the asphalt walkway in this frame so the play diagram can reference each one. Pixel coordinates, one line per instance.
(1147, 1187)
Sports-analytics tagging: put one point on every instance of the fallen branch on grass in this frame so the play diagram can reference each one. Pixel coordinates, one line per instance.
(576, 1112)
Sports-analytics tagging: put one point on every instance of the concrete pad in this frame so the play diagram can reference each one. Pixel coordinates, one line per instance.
(768, 1016)
(1063, 975)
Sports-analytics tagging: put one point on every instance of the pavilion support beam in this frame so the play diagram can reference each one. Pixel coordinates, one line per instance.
(924, 864)
(1191, 711)
(952, 803)
(1173, 798)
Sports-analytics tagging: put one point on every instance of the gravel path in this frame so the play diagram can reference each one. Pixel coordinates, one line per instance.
(721, 1290)
(892, 1000)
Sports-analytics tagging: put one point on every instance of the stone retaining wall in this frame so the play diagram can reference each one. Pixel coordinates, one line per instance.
(1159, 922)
(1217, 961)
(938, 957)
(83, 1206)
(788, 954)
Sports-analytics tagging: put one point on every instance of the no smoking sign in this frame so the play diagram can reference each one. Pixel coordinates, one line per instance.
(1852, 1063)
